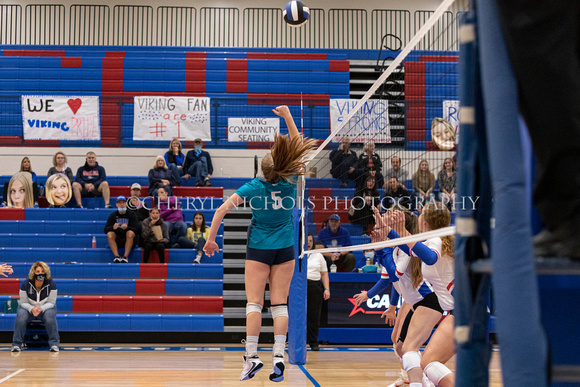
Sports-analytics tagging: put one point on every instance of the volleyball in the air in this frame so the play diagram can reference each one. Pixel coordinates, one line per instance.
(296, 13)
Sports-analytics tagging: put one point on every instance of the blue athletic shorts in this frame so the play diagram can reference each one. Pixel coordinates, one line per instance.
(271, 257)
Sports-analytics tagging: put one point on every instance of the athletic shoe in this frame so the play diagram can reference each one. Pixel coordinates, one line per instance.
(207, 182)
(15, 348)
(108, 206)
(251, 366)
(117, 260)
(197, 259)
(54, 348)
(277, 374)
(124, 260)
(400, 383)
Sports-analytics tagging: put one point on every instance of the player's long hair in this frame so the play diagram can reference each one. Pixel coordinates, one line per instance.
(286, 158)
(437, 215)
(412, 226)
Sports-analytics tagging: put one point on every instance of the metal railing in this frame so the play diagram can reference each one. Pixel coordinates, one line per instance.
(132, 25)
(89, 24)
(44, 24)
(176, 26)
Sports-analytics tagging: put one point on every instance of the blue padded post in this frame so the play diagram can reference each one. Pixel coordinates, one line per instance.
(519, 331)
(297, 303)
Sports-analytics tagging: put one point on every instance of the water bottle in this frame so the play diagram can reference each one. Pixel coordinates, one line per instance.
(333, 268)
(369, 261)
(94, 242)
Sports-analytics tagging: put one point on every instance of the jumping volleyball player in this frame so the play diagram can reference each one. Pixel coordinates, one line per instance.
(437, 267)
(270, 248)
(405, 274)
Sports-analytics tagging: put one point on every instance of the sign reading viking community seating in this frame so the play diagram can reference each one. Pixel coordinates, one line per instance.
(253, 129)
(61, 117)
(371, 122)
(163, 118)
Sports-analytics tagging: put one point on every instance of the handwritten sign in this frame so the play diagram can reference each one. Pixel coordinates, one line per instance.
(163, 118)
(371, 122)
(451, 114)
(253, 129)
(61, 118)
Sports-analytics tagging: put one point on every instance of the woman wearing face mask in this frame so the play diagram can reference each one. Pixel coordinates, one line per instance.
(198, 164)
(120, 229)
(37, 299)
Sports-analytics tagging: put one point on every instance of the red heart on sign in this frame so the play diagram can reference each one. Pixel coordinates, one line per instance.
(74, 104)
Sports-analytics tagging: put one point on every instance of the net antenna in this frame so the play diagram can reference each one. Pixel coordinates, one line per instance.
(394, 64)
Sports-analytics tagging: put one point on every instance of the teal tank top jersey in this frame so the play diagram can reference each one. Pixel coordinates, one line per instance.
(271, 206)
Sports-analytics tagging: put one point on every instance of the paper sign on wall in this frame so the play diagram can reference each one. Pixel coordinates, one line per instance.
(163, 118)
(61, 117)
(371, 122)
(253, 129)
(451, 114)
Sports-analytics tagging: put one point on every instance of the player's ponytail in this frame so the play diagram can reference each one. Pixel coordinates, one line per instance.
(286, 159)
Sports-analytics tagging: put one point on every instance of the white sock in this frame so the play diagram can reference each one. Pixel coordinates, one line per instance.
(416, 385)
(279, 345)
(251, 346)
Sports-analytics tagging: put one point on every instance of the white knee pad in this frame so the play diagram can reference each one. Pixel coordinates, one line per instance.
(436, 371)
(411, 360)
(280, 310)
(253, 307)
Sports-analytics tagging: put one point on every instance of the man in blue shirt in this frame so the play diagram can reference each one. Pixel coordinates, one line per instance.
(335, 236)
(198, 164)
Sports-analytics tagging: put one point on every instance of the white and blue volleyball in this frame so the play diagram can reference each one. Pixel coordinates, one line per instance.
(296, 13)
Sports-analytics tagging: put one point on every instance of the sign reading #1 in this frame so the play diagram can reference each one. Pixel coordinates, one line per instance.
(61, 117)
(253, 129)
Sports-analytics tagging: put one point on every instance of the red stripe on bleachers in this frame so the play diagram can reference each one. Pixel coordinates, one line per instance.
(286, 99)
(153, 270)
(9, 286)
(319, 192)
(416, 92)
(88, 304)
(150, 286)
(195, 72)
(33, 53)
(320, 215)
(110, 107)
(328, 203)
(338, 65)
(147, 304)
(439, 58)
(414, 67)
(71, 62)
(41, 143)
(196, 54)
(237, 76)
(115, 54)
(202, 192)
(10, 140)
(416, 135)
(279, 55)
(208, 304)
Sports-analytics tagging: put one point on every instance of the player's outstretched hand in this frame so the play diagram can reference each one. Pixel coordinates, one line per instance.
(282, 111)
(210, 248)
(361, 297)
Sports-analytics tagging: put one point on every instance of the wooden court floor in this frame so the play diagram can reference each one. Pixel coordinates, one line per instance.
(198, 366)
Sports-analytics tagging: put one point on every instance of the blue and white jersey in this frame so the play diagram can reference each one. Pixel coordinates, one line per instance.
(404, 285)
(271, 206)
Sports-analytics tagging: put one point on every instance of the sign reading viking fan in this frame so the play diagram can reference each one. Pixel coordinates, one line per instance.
(253, 129)
(371, 122)
(163, 118)
(61, 117)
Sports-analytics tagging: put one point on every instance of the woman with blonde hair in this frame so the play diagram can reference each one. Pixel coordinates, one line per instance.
(37, 299)
(19, 192)
(25, 166)
(423, 181)
(174, 159)
(58, 190)
(59, 165)
(270, 249)
(160, 176)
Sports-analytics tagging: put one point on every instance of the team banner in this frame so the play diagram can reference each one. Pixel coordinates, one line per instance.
(253, 129)
(163, 118)
(451, 114)
(370, 123)
(61, 117)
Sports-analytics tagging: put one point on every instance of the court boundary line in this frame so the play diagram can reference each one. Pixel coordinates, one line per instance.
(310, 377)
(12, 375)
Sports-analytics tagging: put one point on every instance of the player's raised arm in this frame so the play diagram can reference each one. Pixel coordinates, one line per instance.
(284, 112)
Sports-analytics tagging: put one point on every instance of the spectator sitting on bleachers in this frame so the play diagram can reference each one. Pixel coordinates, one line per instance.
(367, 160)
(198, 164)
(59, 165)
(135, 205)
(58, 190)
(362, 206)
(37, 299)
(26, 167)
(335, 236)
(160, 176)
(372, 172)
(170, 209)
(154, 236)
(19, 192)
(174, 159)
(91, 181)
(197, 234)
(396, 194)
(423, 181)
(396, 171)
(120, 229)
(344, 162)
(447, 176)
(5, 269)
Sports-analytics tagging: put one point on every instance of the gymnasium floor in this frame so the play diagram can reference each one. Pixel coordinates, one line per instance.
(201, 366)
